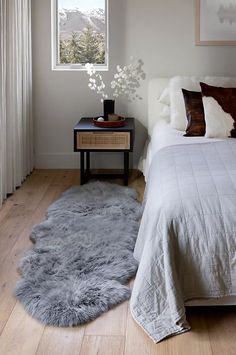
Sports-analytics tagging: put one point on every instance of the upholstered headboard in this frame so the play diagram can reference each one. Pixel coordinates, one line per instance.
(155, 89)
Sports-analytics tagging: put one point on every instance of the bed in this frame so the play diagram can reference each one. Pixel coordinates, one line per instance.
(187, 238)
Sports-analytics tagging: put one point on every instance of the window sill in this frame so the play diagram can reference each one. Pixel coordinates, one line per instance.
(78, 68)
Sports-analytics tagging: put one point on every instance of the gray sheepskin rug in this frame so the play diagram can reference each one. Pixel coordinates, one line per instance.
(83, 255)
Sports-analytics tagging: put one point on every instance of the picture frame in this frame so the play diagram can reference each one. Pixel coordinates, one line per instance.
(215, 22)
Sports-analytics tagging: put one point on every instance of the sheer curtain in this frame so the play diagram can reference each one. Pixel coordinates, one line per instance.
(16, 123)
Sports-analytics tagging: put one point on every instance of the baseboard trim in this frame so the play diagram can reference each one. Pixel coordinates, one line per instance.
(57, 161)
(72, 161)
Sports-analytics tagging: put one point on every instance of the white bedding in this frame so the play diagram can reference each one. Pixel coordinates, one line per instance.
(163, 135)
(186, 242)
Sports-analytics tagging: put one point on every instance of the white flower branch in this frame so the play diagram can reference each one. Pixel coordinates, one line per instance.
(125, 83)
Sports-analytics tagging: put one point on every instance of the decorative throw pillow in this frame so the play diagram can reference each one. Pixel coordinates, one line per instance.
(195, 113)
(220, 111)
(178, 115)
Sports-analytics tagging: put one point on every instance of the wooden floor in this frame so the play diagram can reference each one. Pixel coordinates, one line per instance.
(114, 333)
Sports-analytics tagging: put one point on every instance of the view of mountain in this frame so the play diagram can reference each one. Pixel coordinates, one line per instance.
(76, 21)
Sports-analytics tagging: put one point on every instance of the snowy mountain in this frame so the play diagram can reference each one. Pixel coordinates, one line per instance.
(76, 21)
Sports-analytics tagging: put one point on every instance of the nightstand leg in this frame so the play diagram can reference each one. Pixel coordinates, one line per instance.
(82, 168)
(126, 168)
(87, 165)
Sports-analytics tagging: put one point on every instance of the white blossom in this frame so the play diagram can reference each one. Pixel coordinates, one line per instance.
(125, 83)
(90, 69)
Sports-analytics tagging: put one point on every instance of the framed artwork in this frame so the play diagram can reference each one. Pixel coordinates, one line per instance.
(216, 22)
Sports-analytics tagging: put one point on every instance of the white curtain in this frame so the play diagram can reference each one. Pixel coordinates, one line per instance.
(16, 123)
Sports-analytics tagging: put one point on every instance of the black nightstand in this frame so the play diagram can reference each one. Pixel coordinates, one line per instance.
(89, 138)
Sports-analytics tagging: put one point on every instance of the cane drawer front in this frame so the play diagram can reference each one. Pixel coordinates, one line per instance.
(103, 140)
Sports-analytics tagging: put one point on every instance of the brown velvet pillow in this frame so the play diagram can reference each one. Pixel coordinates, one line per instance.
(226, 98)
(195, 114)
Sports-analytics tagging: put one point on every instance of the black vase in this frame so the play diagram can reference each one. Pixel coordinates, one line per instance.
(108, 108)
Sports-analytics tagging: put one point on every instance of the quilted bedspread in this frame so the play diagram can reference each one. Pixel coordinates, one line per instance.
(186, 245)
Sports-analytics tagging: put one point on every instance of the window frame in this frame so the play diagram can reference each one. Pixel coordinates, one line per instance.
(55, 43)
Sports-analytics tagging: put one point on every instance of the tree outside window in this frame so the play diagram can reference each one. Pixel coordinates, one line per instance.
(82, 32)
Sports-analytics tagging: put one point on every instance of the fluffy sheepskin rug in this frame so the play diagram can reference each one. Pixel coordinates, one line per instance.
(83, 255)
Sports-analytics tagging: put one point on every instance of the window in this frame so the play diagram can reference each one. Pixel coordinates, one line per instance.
(79, 34)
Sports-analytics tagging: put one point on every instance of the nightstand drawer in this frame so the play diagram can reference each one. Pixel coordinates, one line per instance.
(103, 140)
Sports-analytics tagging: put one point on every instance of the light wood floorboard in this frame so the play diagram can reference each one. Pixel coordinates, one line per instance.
(63, 341)
(101, 345)
(110, 323)
(114, 333)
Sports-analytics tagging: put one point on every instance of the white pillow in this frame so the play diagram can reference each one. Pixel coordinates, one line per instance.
(165, 97)
(165, 112)
(177, 83)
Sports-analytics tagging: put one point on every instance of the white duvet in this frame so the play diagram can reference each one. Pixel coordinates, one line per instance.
(163, 136)
(186, 246)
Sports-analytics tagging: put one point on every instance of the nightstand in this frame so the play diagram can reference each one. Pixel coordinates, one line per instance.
(89, 138)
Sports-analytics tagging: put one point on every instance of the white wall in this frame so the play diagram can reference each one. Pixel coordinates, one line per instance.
(161, 32)
(61, 98)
